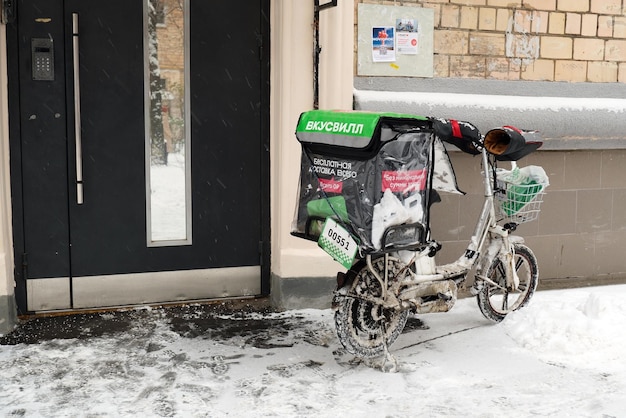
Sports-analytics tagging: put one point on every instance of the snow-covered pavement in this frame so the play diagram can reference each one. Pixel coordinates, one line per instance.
(563, 355)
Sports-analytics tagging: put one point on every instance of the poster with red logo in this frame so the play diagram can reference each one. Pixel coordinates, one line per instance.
(407, 36)
(383, 44)
(404, 181)
(331, 185)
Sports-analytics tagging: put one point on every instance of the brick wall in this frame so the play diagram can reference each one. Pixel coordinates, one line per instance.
(537, 40)
(171, 36)
(171, 56)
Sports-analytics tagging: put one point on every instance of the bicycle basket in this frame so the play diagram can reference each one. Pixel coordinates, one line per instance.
(519, 195)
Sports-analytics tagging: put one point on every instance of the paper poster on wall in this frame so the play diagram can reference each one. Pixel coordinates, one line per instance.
(407, 36)
(383, 44)
(417, 26)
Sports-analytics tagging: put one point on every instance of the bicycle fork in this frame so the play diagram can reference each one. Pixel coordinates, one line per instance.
(508, 259)
(505, 252)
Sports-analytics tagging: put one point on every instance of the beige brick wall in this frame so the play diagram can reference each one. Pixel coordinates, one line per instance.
(552, 40)
(170, 35)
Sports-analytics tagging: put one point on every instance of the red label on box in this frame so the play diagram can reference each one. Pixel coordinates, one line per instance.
(331, 185)
(404, 181)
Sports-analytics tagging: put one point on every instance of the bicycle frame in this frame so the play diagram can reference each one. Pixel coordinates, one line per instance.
(488, 241)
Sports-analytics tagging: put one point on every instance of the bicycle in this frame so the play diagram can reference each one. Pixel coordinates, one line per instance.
(366, 187)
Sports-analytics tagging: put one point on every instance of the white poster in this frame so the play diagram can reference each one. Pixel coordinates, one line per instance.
(407, 36)
(383, 44)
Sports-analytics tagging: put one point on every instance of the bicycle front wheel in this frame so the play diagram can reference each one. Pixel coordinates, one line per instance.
(495, 302)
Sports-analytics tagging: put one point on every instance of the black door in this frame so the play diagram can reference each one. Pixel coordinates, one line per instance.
(79, 165)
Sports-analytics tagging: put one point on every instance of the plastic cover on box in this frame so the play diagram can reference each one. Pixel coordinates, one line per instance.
(373, 172)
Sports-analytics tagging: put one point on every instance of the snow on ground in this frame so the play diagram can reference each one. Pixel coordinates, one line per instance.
(563, 355)
(167, 197)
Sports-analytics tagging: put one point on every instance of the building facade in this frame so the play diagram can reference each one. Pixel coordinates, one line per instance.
(207, 96)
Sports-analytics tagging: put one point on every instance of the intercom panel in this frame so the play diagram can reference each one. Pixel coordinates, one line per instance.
(43, 58)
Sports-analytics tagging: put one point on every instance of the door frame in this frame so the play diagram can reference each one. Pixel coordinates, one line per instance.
(15, 153)
(192, 278)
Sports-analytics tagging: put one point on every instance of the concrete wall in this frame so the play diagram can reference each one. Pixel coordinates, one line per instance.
(295, 261)
(581, 232)
(578, 115)
(555, 66)
(580, 235)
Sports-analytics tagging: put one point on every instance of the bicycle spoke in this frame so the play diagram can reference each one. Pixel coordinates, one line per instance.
(501, 271)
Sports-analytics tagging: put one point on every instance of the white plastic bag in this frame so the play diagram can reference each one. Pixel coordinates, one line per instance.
(391, 211)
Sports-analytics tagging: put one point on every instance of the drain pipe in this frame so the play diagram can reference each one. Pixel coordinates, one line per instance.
(317, 48)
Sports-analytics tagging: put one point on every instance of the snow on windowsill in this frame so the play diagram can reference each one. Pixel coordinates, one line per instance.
(565, 122)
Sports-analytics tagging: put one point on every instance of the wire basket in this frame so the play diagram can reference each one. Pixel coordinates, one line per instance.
(518, 203)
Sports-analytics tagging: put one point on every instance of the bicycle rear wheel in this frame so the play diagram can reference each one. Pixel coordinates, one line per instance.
(495, 302)
(364, 327)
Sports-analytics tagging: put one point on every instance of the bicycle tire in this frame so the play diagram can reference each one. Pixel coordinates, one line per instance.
(493, 301)
(363, 327)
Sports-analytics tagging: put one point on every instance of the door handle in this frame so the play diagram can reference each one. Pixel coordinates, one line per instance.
(77, 120)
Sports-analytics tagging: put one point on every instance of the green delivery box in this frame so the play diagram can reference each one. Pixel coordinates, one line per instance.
(350, 161)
